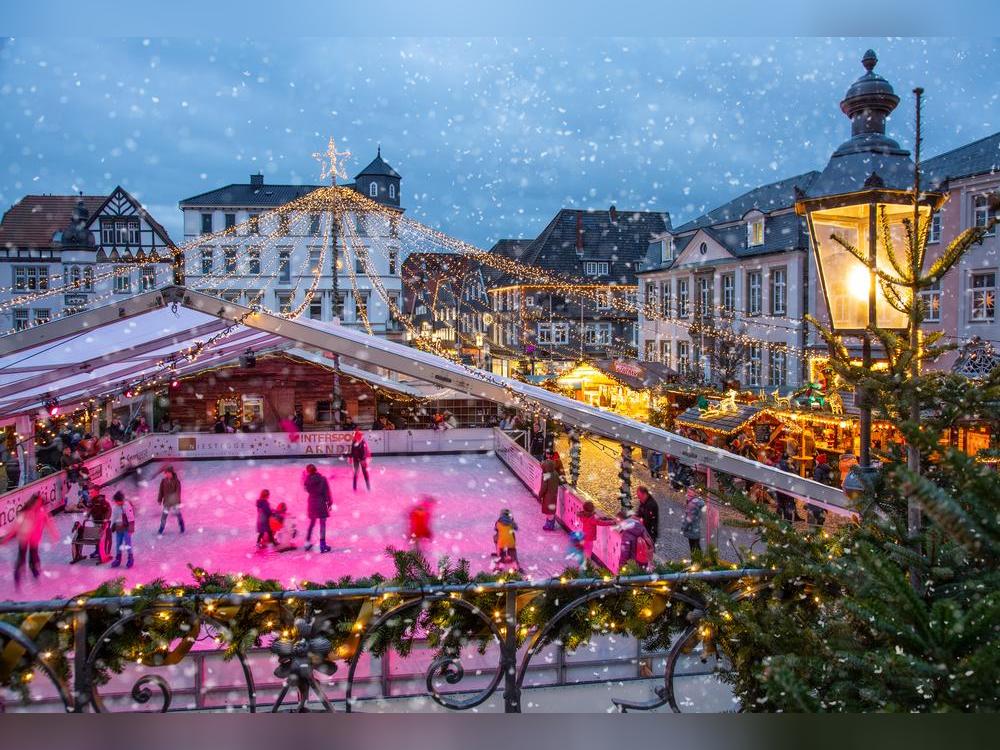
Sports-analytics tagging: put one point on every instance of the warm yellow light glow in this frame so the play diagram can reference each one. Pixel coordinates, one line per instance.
(858, 282)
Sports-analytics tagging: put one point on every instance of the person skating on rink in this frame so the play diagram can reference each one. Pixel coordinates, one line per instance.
(360, 453)
(169, 498)
(420, 533)
(589, 521)
(319, 503)
(123, 524)
(283, 529)
(505, 539)
(264, 514)
(548, 493)
(30, 523)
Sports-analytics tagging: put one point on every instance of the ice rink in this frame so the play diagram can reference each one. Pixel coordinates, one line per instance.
(218, 503)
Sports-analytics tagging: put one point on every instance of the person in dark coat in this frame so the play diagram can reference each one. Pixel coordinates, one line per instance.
(264, 519)
(359, 458)
(318, 505)
(636, 544)
(784, 501)
(548, 493)
(648, 512)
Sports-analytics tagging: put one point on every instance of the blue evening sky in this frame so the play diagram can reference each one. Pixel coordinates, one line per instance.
(492, 135)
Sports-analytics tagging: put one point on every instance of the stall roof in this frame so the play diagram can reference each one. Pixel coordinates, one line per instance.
(99, 351)
(726, 423)
(636, 375)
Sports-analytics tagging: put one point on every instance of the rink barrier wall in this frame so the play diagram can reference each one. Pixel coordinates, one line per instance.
(607, 546)
(115, 463)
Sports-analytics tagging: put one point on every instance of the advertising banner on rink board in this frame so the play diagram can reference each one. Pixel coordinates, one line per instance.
(519, 461)
(52, 489)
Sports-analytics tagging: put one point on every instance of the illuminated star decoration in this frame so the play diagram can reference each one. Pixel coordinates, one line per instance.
(331, 162)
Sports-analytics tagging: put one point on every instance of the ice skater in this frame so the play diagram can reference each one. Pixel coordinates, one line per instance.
(589, 521)
(283, 530)
(264, 515)
(30, 523)
(319, 503)
(548, 493)
(505, 539)
(420, 534)
(360, 453)
(169, 497)
(123, 524)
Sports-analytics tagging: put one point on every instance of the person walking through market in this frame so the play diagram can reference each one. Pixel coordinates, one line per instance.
(123, 524)
(655, 462)
(169, 497)
(31, 521)
(264, 514)
(694, 512)
(548, 493)
(822, 473)
(636, 544)
(785, 502)
(648, 512)
(360, 454)
(318, 506)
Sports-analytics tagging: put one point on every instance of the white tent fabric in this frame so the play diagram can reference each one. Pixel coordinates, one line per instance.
(172, 319)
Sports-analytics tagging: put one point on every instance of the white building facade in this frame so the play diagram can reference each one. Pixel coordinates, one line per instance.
(724, 295)
(251, 255)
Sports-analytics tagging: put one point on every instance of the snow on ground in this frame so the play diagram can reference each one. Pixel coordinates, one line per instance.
(219, 498)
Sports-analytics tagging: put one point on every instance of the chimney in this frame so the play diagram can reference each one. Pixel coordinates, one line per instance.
(579, 233)
(257, 179)
(613, 214)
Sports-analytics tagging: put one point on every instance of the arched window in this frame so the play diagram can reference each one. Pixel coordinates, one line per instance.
(373, 190)
(392, 191)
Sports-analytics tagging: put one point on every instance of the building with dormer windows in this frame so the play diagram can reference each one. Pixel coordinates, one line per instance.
(71, 252)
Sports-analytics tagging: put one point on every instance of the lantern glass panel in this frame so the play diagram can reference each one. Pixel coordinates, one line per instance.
(845, 278)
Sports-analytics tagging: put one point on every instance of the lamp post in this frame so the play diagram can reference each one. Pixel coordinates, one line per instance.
(861, 202)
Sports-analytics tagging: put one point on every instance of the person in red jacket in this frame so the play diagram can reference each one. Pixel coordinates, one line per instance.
(589, 521)
(420, 524)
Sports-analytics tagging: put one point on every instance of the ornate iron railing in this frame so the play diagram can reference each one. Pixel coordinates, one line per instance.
(303, 651)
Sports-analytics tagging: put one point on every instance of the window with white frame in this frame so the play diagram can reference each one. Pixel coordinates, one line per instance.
(705, 296)
(230, 221)
(777, 366)
(283, 227)
(20, 319)
(123, 231)
(88, 278)
(75, 277)
(649, 351)
(683, 299)
(316, 306)
(934, 234)
(393, 260)
(229, 259)
(755, 232)
(683, 357)
(553, 333)
(981, 213)
(984, 296)
(665, 352)
(206, 223)
(595, 268)
(253, 261)
(931, 298)
(314, 225)
(649, 304)
(666, 303)
(373, 189)
(207, 260)
(232, 296)
(284, 300)
(728, 294)
(123, 280)
(41, 315)
(392, 190)
(755, 292)
(604, 299)
(147, 279)
(253, 224)
(597, 334)
(31, 278)
(314, 256)
(284, 266)
(779, 291)
(337, 301)
(360, 305)
(755, 362)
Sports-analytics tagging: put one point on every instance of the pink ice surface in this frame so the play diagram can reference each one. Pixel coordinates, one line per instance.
(218, 499)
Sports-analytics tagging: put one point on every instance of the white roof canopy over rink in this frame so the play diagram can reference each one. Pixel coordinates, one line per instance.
(172, 332)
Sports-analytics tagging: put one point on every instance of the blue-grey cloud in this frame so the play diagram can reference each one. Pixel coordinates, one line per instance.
(492, 136)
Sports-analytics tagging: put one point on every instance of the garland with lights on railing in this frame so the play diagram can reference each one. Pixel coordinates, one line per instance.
(162, 621)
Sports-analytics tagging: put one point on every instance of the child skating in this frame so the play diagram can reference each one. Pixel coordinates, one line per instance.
(283, 530)
(505, 539)
(123, 524)
(420, 534)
